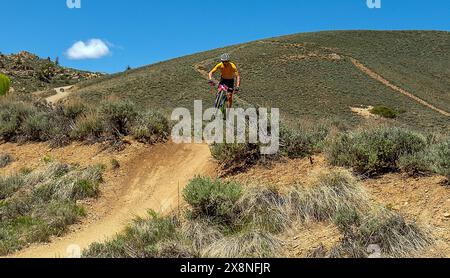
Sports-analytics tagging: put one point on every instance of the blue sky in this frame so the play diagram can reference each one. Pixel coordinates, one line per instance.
(141, 32)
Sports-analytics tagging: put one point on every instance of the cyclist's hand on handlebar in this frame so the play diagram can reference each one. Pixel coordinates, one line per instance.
(211, 82)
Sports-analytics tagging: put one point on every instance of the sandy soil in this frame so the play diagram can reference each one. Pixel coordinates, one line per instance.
(423, 200)
(150, 178)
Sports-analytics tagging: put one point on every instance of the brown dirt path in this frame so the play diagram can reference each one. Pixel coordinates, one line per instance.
(61, 93)
(153, 179)
(387, 83)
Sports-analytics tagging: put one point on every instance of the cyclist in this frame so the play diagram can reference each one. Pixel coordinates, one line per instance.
(229, 72)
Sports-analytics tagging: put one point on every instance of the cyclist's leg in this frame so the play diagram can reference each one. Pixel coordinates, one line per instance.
(230, 99)
(230, 84)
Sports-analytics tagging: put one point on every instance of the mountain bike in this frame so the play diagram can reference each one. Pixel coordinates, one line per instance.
(221, 99)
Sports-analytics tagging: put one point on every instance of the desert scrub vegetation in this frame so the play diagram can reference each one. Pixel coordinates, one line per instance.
(303, 142)
(385, 111)
(151, 128)
(374, 151)
(141, 239)
(212, 198)
(118, 117)
(382, 227)
(22, 121)
(440, 161)
(5, 160)
(5, 83)
(329, 192)
(297, 142)
(226, 219)
(35, 205)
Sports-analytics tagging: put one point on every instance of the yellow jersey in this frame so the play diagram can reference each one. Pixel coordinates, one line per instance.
(228, 72)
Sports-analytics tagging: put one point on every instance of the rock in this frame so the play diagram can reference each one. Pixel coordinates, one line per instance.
(447, 215)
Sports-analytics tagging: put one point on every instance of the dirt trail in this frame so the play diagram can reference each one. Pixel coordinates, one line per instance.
(367, 71)
(386, 82)
(154, 181)
(61, 93)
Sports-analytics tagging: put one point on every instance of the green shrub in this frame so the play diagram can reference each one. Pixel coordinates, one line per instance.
(118, 117)
(251, 243)
(9, 185)
(5, 83)
(139, 240)
(48, 205)
(37, 127)
(417, 164)
(115, 164)
(73, 110)
(440, 154)
(236, 157)
(75, 185)
(300, 143)
(151, 128)
(88, 127)
(5, 160)
(201, 232)
(212, 199)
(384, 111)
(330, 192)
(56, 216)
(12, 115)
(388, 230)
(375, 151)
(262, 208)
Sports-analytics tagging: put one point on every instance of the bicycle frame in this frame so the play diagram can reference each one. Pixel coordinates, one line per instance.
(221, 97)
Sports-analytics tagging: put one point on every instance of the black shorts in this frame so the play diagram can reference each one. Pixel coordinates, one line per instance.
(229, 83)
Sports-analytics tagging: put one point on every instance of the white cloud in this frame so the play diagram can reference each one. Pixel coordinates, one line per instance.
(92, 49)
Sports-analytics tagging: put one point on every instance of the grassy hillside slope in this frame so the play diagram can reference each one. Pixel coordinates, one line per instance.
(30, 73)
(309, 76)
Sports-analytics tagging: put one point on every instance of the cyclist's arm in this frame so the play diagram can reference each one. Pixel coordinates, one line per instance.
(238, 77)
(211, 73)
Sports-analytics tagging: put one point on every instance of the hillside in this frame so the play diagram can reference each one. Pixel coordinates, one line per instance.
(309, 76)
(30, 73)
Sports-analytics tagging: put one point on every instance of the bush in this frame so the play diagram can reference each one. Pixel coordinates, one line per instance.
(5, 83)
(251, 243)
(388, 230)
(12, 115)
(118, 117)
(5, 160)
(384, 111)
(302, 143)
(139, 240)
(417, 164)
(88, 127)
(212, 199)
(46, 207)
(376, 151)
(73, 110)
(262, 208)
(9, 185)
(236, 157)
(330, 192)
(37, 127)
(151, 128)
(440, 154)
(201, 233)
(115, 164)
(75, 185)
